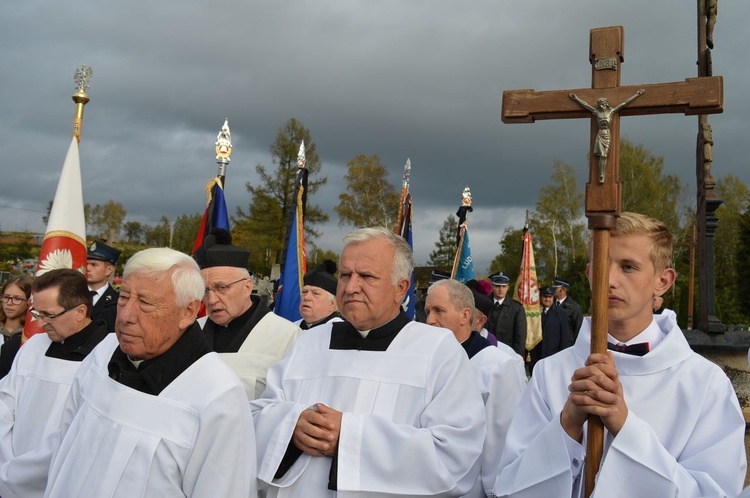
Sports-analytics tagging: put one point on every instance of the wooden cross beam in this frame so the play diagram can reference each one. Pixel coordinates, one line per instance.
(603, 190)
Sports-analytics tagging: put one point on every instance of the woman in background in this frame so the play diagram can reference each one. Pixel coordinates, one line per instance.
(15, 302)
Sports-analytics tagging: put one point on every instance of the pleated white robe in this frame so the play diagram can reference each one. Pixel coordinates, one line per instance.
(413, 421)
(683, 437)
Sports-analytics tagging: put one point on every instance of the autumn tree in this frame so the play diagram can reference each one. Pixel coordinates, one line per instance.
(370, 199)
(557, 226)
(263, 227)
(445, 247)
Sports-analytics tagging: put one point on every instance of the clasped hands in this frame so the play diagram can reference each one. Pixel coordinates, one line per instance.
(595, 389)
(317, 430)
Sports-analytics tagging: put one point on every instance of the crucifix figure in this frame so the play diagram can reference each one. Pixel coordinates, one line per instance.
(604, 115)
(694, 96)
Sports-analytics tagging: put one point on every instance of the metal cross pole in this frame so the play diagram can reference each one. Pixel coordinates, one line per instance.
(603, 190)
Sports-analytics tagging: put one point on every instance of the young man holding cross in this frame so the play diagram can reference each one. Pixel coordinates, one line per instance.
(673, 425)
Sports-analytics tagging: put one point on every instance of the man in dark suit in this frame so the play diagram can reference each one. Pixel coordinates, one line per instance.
(554, 328)
(100, 265)
(507, 319)
(572, 308)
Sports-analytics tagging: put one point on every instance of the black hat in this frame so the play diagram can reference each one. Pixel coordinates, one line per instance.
(561, 283)
(102, 252)
(217, 250)
(322, 276)
(499, 278)
(439, 275)
(482, 301)
(548, 291)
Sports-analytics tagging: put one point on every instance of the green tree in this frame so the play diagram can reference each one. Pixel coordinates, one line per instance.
(743, 255)
(264, 225)
(134, 231)
(735, 195)
(557, 226)
(184, 230)
(158, 235)
(318, 255)
(509, 260)
(445, 247)
(106, 220)
(370, 199)
(645, 187)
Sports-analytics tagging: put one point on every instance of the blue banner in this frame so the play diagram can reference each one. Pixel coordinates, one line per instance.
(465, 271)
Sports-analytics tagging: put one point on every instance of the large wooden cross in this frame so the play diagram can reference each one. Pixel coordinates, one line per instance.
(603, 190)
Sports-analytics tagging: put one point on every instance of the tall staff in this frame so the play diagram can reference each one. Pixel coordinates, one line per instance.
(603, 190)
(403, 228)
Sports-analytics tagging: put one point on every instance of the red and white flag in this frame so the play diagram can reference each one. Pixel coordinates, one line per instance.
(64, 243)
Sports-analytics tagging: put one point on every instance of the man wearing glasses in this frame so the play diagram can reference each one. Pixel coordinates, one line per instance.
(32, 395)
(240, 326)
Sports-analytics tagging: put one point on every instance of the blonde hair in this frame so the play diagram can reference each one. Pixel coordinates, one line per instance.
(661, 240)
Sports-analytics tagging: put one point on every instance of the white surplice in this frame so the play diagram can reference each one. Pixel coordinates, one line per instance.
(413, 421)
(501, 378)
(267, 343)
(683, 436)
(32, 396)
(194, 439)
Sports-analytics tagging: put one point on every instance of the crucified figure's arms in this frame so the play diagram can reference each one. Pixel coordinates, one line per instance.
(582, 103)
(629, 100)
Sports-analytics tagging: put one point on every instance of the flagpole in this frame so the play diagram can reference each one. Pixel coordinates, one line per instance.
(463, 210)
(294, 260)
(82, 77)
(404, 194)
(64, 244)
(223, 151)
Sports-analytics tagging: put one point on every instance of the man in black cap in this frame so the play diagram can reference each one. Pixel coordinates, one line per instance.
(239, 326)
(318, 303)
(554, 327)
(508, 318)
(572, 308)
(100, 265)
(482, 309)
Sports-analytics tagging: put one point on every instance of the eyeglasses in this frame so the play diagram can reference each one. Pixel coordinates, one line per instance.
(7, 298)
(223, 288)
(48, 318)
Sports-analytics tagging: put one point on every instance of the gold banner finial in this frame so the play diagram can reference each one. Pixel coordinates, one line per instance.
(82, 77)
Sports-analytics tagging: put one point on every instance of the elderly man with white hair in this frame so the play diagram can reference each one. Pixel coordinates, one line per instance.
(152, 411)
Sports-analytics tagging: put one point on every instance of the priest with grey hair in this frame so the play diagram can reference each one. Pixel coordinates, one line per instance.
(152, 411)
(370, 406)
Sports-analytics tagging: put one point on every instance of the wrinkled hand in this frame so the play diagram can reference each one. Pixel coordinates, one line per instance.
(595, 389)
(317, 432)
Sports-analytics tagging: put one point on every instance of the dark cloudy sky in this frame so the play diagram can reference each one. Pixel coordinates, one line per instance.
(401, 79)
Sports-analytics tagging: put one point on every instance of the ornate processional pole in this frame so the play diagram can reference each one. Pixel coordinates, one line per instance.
(82, 77)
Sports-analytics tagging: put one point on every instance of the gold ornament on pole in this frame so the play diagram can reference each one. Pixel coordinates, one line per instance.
(82, 77)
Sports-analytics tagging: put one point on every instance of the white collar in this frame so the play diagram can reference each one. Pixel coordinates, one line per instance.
(651, 334)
